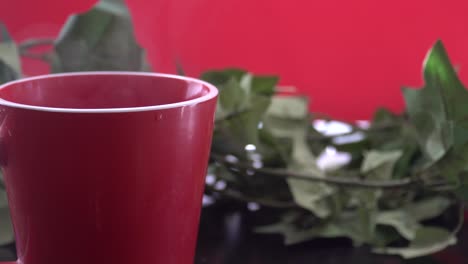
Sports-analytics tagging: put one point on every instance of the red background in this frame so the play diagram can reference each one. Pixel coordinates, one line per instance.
(350, 56)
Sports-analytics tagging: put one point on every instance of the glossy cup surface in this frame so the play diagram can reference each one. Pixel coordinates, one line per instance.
(105, 167)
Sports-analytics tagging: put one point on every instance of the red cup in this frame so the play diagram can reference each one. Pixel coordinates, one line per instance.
(105, 167)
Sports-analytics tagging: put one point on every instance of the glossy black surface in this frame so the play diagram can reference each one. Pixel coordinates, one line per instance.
(225, 238)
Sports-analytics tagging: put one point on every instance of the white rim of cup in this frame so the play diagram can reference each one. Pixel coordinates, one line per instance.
(212, 92)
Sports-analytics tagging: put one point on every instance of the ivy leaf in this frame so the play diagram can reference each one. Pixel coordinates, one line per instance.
(223, 173)
(438, 109)
(264, 85)
(10, 66)
(451, 166)
(462, 191)
(114, 6)
(312, 196)
(6, 73)
(100, 39)
(231, 97)
(245, 125)
(9, 70)
(427, 240)
(289, 107)
(219, 78)
(407, 220)
(239, 91)
(380, 164)
(367, 211)
(179, 69)
(240, 110)
(385, 235)
(404, 164)
(288, 117)
(234, 133)
(347, 225)
(384, 116)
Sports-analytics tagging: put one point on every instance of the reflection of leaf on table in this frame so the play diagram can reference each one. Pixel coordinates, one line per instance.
(6, 228)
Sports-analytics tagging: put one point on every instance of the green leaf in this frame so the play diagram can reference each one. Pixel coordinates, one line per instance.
(406, 220)
(451, 165)
(312, 196)
(232, 98)
(6, 73)
(379, 164)
(277, 152)
(288, 117)
(219, 78)
(367, 210)
(404, 164)
(427, 240)
(10, 66)
(223, 173)
(179, 69)
(462, 191)
(264, 85)
(100, 39)
(289, 107)
(347, 225)
(439, 107)
(114, 6)
(384, 116)
(385, 235)
(4, 34)
(240, 111)
(244, 126)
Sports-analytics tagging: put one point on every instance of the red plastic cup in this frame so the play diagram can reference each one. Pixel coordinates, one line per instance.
(105, 167)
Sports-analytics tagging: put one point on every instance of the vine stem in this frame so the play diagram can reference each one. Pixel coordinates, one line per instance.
(351, 181)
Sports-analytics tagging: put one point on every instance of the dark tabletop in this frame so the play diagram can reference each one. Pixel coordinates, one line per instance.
(225, 238)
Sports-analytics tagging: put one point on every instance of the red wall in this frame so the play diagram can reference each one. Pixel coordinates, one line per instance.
(350, 56)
